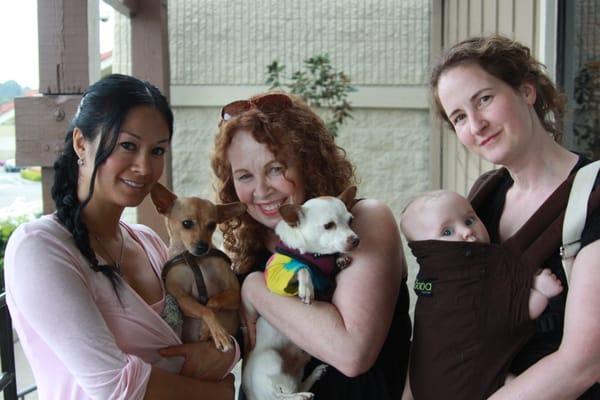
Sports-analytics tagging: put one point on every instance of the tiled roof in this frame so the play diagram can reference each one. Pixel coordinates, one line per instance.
(106, 55)
(6, 107)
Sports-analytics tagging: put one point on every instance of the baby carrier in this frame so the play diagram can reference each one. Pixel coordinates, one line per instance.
(472, 315)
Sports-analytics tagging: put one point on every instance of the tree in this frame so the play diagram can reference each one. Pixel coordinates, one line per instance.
(319, 85)
(586, 117)
(9, 90)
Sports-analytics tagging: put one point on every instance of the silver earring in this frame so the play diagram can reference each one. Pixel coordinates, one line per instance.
(80, 162)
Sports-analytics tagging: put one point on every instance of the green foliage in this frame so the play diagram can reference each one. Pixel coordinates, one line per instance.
(31, 174)
(319, 85)
(586, 116)
(7, 227)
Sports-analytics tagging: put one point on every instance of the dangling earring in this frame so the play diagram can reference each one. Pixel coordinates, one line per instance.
(80, 162)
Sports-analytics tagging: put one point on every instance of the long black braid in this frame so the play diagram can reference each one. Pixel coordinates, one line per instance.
(102, 110)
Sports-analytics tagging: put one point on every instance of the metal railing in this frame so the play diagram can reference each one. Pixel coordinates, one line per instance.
(8, 381)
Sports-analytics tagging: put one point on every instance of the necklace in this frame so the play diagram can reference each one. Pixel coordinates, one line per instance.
(116, 264)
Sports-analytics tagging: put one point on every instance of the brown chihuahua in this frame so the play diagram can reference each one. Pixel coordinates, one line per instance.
(197, 275)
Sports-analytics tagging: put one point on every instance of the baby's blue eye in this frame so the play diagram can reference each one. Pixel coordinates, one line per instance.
(447, 232)
(470, 221)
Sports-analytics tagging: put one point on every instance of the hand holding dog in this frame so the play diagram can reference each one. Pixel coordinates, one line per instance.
(202, 360)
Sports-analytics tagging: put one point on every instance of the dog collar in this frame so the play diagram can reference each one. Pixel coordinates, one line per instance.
(191, 261)
(325, 263)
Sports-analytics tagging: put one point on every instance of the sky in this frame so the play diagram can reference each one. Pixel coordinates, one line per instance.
(19, 38)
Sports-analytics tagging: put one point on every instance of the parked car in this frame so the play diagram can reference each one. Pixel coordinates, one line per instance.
(11, 166)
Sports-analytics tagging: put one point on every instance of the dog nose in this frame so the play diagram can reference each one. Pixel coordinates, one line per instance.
(353, 241)
(201, 248)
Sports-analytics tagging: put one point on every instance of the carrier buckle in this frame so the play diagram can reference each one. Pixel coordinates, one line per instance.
(570, 250)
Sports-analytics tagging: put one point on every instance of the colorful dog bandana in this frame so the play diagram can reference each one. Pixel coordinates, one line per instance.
(284, 264)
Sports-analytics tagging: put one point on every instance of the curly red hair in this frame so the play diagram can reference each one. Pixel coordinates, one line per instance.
(291, 133)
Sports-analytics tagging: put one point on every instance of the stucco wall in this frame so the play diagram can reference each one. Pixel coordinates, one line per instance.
(381, 42)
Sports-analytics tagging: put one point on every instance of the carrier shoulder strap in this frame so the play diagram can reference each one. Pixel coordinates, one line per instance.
(485, 186)
(576, 214)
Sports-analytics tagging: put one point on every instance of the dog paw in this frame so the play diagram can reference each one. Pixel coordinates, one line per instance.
(306, 290)
(222, 339)
(294, 396)
(343, 261)
(319, 371)
(304, 396)
(224, 345)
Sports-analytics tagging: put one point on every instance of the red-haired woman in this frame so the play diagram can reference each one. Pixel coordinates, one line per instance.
(273, 149)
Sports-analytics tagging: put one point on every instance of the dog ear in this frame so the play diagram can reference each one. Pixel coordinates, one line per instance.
(291, 214)
(162, 198)
(230, 210)
(348, 195)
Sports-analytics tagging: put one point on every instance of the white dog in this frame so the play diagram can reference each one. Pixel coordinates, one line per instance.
(313, 236)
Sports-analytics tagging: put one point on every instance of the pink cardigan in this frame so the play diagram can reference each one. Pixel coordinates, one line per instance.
(80, 341)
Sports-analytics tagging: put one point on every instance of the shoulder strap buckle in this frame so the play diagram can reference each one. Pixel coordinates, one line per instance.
(570, 250)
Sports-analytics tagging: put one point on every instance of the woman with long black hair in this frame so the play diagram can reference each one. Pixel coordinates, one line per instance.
(84, 287)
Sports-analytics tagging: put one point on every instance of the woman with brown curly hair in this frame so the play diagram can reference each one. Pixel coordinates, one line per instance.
(273, 149)
(502, 107)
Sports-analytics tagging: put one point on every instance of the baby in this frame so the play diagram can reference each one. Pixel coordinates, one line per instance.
(445, 215)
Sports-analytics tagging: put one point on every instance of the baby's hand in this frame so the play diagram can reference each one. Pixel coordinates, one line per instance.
(547, 283)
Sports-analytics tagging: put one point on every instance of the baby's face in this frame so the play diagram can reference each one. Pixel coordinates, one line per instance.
(449, 217)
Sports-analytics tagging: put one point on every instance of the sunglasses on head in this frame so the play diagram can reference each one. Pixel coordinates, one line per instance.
(265, 103)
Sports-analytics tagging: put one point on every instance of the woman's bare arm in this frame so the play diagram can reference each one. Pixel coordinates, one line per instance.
(575, 366)
(349, 332)
(199, 378)
(165, 385)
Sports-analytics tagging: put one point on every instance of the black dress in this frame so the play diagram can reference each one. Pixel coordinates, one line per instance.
(549, 326)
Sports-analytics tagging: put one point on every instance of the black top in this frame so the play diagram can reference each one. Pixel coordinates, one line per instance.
(550, 324)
